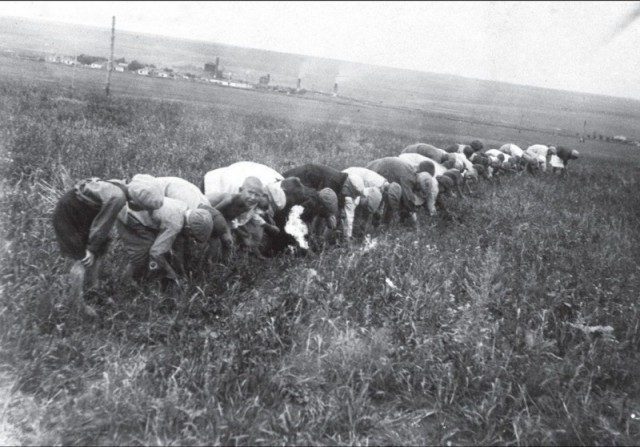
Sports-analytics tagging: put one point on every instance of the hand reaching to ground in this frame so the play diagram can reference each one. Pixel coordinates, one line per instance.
(88, 260)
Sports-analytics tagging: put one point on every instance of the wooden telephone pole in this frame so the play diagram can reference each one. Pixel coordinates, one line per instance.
(110, 65)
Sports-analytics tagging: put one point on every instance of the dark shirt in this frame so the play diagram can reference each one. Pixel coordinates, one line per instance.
(563, 154)
(318, 177)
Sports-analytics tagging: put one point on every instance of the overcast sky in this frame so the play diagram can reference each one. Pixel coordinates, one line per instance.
(583, 46)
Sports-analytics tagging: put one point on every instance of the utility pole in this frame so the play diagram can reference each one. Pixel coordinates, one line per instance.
(110, 65)
(75, 65)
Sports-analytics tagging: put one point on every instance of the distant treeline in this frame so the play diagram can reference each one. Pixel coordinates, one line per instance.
(88, 60)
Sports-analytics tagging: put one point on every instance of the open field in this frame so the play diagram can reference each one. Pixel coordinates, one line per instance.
(447, 118)
(434, 95)
(511, 318)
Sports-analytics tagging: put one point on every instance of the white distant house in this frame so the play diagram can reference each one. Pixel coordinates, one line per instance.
(143, 71)
(620, 138)
(97, 65)
(120, 66)
(240, 85)
(67, 60)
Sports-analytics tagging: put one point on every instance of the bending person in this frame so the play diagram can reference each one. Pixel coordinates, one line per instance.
(83, 219)
(154, 240)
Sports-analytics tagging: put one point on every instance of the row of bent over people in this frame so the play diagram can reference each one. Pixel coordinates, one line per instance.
(163, 221)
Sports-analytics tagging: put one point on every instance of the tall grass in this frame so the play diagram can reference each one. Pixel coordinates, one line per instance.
(475, 328)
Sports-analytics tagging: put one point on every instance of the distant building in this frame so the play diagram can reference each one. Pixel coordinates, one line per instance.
(241, 85)
(213, 69)
(97, 65)
(620, 138)
(143, 71)
(264, 80)
(67, 60)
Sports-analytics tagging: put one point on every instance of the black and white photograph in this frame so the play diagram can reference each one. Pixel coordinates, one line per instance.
(261, 223)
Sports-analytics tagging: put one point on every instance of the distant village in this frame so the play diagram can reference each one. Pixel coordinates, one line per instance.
(213, 72)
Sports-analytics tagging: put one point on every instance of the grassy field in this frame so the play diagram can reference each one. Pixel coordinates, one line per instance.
(511, 318)
(457, 97)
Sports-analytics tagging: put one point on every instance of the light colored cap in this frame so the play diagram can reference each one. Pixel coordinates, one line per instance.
(201, 224)
(276, 195)
(374, 198)
(145, 191)
(574, 153)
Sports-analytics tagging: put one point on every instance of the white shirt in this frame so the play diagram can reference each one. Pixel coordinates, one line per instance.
(180, 189)
(511, 149)
(229, 179)
(369, 177)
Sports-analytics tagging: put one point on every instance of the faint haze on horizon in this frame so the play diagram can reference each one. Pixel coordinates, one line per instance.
(587, 47)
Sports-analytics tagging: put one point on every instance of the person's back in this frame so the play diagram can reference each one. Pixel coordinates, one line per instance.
(318, 176)
(538, 149)
(414, 159)
(565, 154)
(540, 152)
(183, 190)
(400, 172)
(512, 149)
(149, 236)
(369, 177)
(428, 150)
(560, 159)
(455, 148)
(263, 172)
